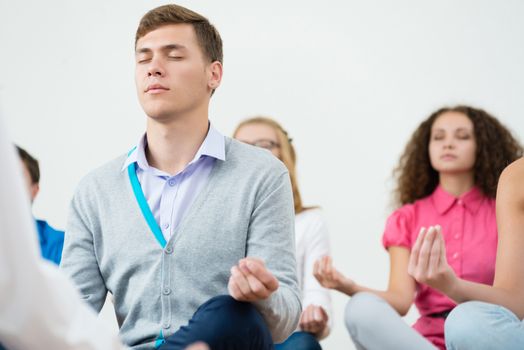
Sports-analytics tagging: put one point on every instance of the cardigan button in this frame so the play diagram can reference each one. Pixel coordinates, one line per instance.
(166, 325)
(169, 250)
(166, 291)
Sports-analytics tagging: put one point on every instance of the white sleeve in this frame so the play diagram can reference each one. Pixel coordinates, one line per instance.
(39, 307)
(316, 245)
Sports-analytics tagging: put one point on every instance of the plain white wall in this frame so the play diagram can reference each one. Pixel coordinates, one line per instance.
(350, 80)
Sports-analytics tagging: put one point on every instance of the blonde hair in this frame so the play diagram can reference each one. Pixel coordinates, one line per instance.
(287, 154)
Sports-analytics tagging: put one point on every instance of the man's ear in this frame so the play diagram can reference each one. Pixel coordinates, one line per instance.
(215, 71)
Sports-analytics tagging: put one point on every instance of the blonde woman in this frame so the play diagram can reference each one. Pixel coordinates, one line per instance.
(311, 236)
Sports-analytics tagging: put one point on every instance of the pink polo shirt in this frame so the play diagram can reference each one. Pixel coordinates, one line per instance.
(469, 228)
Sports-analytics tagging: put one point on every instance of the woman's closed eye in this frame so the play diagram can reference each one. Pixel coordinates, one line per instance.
(463, 136)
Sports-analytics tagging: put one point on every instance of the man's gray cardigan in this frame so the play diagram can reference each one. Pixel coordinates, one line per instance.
(245, 209)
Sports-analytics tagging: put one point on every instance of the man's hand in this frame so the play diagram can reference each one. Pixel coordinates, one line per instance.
(314, 320)
(428, 263)
(251, 281)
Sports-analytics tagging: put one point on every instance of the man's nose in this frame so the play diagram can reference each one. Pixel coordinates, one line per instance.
(155, 69)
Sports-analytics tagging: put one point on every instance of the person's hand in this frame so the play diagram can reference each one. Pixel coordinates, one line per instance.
(314, 320)
(331, 278)
(428, 263)
(251, 281)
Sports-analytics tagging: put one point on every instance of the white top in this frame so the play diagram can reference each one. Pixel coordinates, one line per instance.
(312, 243)
(39, 307)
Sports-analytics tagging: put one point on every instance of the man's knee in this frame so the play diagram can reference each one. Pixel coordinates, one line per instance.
(224, 323)
(229, 318)
(224, 307)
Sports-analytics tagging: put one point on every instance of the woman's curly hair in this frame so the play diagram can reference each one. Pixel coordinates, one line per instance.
(496, 148)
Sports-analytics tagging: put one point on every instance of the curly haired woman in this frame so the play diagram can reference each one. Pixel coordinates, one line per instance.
(488, 317)
(447, 176)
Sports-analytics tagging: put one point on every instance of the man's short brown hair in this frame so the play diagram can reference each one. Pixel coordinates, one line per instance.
(30, 163)
(207, 35)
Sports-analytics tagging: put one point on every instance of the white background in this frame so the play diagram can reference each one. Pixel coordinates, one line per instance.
(350, 80)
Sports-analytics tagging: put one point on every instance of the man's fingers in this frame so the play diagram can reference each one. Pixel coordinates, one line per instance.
(257, 268)
(234, 291)
(257, 288)
(255, 259)
(241, 282)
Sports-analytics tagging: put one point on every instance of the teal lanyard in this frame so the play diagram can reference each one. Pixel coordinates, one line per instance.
(159, 340)
(150, 219)
(144, 207)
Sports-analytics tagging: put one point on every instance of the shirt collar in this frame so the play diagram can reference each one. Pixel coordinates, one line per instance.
(213, 146)
(444, 201)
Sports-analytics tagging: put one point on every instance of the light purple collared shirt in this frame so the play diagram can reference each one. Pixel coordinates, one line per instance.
(169, 197)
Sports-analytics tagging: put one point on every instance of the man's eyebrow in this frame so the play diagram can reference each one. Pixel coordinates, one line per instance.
(143, 50)
(173, 47)
(168, 47)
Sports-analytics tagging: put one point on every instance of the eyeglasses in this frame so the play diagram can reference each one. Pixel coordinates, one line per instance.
(265, 143)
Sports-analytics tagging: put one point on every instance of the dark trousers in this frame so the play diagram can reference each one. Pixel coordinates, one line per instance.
(224, 324)
(299, 341)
